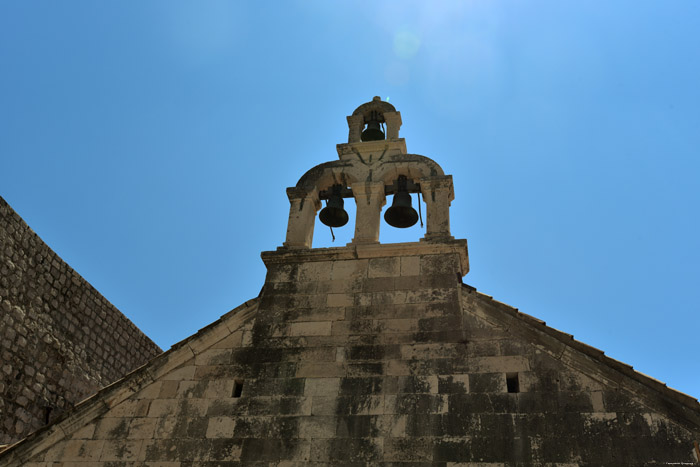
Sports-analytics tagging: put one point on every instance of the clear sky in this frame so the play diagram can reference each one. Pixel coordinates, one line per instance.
(150, 145)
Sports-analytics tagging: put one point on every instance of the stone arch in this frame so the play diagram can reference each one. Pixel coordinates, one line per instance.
(413, 166)
(324, 175)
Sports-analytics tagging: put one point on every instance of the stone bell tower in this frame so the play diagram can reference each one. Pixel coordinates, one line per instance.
(369, 169)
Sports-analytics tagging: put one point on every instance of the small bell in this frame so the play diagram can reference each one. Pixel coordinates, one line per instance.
(401, 214)
(373, 132)
(334, 215)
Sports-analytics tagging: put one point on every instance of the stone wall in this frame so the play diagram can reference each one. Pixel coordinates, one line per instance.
(363, 356)
(60, 340)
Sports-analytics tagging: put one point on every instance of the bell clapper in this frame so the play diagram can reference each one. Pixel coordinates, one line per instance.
(420, 214)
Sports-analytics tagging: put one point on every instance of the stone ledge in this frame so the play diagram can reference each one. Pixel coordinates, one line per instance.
(367, 251)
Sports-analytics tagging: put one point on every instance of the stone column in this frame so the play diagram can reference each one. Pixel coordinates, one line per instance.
(370, 199)
(302, 216)
(393, 124)
(356, 123)
(438, 193)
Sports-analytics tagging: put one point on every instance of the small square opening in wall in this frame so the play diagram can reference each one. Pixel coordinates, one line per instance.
(237, 388)
(512, 382)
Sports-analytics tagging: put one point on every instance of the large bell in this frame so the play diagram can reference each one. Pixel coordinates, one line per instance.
(401, 214)
(373, 132)
(333, 215)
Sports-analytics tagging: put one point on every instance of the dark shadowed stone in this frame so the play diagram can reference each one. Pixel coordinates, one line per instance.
(358, 426)
(440, 323)
(481, 403)
(268, 450)
(361, 386)
(448, 385)
(487, 382)
(453, 450)
(353, 450)
(225, 449)
(365, 369)
(537, 402)
(420, 403)
(574, 402)
(409, 450)
(272, 387)
(373, 352)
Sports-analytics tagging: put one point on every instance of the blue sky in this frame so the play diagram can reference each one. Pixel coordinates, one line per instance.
(150, 145)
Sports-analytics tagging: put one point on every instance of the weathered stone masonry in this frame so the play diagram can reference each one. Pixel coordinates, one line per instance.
(60, 340)
(350, 357)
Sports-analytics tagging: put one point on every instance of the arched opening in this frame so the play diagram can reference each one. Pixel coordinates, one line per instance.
(337, 204)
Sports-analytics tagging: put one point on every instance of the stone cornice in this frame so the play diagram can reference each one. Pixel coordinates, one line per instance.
(352, 251)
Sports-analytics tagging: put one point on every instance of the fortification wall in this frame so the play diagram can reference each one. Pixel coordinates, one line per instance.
(60, 339)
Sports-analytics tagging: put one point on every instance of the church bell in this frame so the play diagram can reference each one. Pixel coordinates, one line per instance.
(401, 214)
(373, 132)
(334, 215)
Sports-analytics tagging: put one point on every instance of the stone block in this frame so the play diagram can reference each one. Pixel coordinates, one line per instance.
(349, 270)
(314, 271)
(142, 428)
(372, 352)
(453, 384)
(178, 374)
(395, 297)
(340, 300)
(162, 408)
(310, 328)
(317, 427)
(410, 266)
(408, 450)
(191, 389)
(320, 369)
(112, 428)
(149, 392)
(221, 427)
(130, 408)
(439, 264)
(357, 369)
(219, 389)
(315, 314)
(321, 386)
(404, 325)
(121, 450)
(168, 389)
(384, 267)
(371, 385)
(418, 384)
(213, 357)
(487, 382)
(82, 450)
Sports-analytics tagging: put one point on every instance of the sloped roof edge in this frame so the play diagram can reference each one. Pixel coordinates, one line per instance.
(592, 352)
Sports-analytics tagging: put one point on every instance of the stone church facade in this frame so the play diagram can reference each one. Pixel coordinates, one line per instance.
(374, 354)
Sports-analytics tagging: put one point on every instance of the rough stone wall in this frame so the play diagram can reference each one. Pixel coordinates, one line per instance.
(378, 361)
(60, 340)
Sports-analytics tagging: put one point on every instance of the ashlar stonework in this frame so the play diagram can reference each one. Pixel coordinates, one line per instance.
(373, 354)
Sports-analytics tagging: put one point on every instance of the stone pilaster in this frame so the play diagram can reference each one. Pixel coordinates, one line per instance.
(393, 124)
(302, 214)
(355, 125)
(438, 193)
(370, 199)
